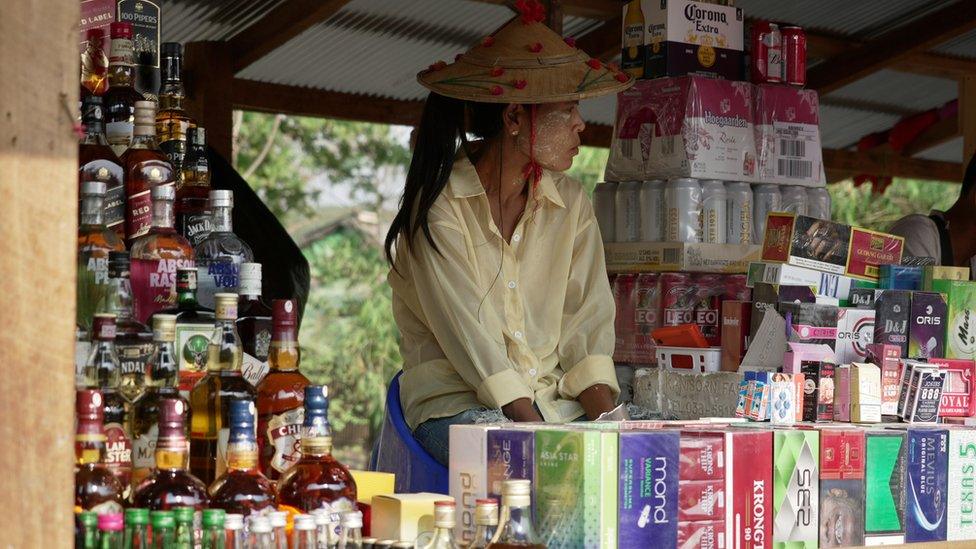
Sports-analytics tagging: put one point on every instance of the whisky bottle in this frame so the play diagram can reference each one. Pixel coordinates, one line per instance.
(145, 167)
(96, 488)
(133, 339)
(156, 256)
(516, 528)
(172, 122)
(254, 324)
(170, 484)
(121, 97)
(94, 65)
(98, 162)
(194, 326)
(211, 396)
(242, 489)
(220, 254)
(280, 394)
(317, 478)
(443, 537)
(193, 191)
(485, 521)
(95, 241)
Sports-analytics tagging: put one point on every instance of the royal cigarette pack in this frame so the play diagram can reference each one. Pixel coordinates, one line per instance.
(959, 391)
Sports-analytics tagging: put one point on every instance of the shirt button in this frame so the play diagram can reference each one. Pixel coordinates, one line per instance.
(518, 334)
(532, 372)
(512, 284)
(516, 237)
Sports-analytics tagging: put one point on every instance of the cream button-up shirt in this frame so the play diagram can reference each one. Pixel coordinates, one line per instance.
(485, 322)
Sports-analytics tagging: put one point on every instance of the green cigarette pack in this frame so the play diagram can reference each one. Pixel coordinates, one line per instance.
(796, 489)
(961, 329)
(931, 273)
(884, 479)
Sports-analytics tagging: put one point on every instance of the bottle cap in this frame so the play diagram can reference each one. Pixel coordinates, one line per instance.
(304, 522)
(221, 198)
(186, 279)
(284, 314)
(486, 512)
(88, 519)
(118, 264)
(164, 328)
(121, 30)
(214, 518)
(260, 524)
(145, 114)
(136, 515)
(353, 519)
(89, 406)
(234, 521)
(249, 276)
(171, 412)
(323, 515)
(240, 416)
(225, 306)
(183, 515)
(517, 492)
(93, 188)
(103, 327)
(171, 49)
(279, 519)
(316, 405)
(163, 192)
(110, 522)
(162, 519)
(444, 514)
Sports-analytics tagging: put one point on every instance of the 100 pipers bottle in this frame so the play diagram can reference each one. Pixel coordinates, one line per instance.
(219, 256)
(242, 488)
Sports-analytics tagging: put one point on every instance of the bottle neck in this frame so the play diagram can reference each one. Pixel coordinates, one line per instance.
(102, 368)
(121, 62)
(93, 210)
(516, 522)
(165, 368)
(317, 443)
(221, 219)
(284, 354)
(94, 132)
(242, 455)
(171, 92)
(187, 298)
(172, 453)
(250, 288)
(163, 217)
(121, 298)
(89, 443)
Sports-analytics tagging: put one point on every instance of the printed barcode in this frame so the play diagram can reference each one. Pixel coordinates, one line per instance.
(796, 169)
(671, 256)
(791, 147)
(627, 147)
(667, 147)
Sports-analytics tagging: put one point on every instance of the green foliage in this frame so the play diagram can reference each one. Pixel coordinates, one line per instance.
(857, 206)
(588, 166)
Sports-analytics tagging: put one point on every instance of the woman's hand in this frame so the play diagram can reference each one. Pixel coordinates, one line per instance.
(521, 410)
(596, 400)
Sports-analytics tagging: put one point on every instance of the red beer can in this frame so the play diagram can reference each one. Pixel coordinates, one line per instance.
(625, 324)
(647, 312)
(767, 53)
(795, 55)
(678, 298)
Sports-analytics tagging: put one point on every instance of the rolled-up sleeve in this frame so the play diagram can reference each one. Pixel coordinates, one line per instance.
(449, 296)
(587, 338)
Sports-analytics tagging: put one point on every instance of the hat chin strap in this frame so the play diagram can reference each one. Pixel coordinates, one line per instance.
(532, 172)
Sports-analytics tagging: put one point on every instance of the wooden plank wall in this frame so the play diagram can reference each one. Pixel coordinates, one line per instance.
(38, 212)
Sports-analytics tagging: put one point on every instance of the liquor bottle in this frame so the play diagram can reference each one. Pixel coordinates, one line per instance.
(304, 533)
(94, 65)
(242, 488)
(86, 530)
(170, 484)
(160, 384)
(318, 477)
(133, 339)
(280, 394)
(234, 525)
(98, 162)
(193, 191)
(210, 398)
(102, 373)
(443, 537)
(145, 167)
(121, 97)
(214, 536)
(156, 256)
(254, 324)
(485, 521)
(172, 122)
(351, 533)
(516, 518)
(279, 529)
(194, 326)
(185, 532)
(110, 531)
(261, 535)
(136, 528)
(327, 523)
(96, 488)
(95, 242)
(220, 254)
(163, 529)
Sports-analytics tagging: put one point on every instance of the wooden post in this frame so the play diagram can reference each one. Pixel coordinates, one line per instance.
(554, 15)
(209, 78)
(967, 117)
(38, 235)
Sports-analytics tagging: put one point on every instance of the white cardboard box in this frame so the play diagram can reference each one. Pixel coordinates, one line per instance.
(631, 257)
(468, 475)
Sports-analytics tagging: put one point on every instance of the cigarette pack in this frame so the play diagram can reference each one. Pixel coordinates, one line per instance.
(924, 404)
(865, 393)
(806, 242)
(884, 507)
(864, 298)
(892, 312)
(511, 455)
(823, 284)
(798, 353)
(706, 534)
(926, 328)
(702, 456)
(842, 393)
(811, 323)
(911, 371)
(855, 331)
(842, 460)
(796, 488)
(648, 490)
(468, 478)
(886, 358)
(901, 277)
(701, 500)
(927, 480)
(871, 249)
(818, 391)
(735, 333)
(748, 485)
(767, 296)
(931, 273)
(961, 331)
(961, 519)
(958, 398)
(782, 399)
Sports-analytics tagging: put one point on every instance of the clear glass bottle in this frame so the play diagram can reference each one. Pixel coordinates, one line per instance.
(304, 535)
(214, 536)
(279, 526)
(219, 256)
(133, 339)
(172, 122)
(234, 525)
(254, 324)
(193, 191)
(194, 326)
(210, 398)
(443, 537)
(351, 531)
(136, 528)
(261, 535)
(96, 488)
(95, 242)
(242, 488)
(327, 525)
(163, 529)
(185, 530)
(98, 162)
(485, 521)
(110, 531)
(516, 528)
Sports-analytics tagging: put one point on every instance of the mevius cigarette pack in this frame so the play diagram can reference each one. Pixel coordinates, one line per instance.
(842, 459)
(892, 312)
(926, 485)
(958, 398)
(961, 330)
(961, 509)
(855, 331)
(468, 479)
(796, 490)
(926, 326)
(648, 489)
(884, 499)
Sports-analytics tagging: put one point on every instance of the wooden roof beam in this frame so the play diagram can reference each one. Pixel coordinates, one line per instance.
(937, 134)
(593, 9)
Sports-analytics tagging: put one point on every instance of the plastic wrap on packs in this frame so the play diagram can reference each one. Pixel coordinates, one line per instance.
(638, 305)
(688, 126)
(787, 123)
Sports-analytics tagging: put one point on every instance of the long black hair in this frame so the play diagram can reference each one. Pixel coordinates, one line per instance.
(444, 127)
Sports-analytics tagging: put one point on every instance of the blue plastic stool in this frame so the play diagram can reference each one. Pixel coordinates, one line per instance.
(399, 453)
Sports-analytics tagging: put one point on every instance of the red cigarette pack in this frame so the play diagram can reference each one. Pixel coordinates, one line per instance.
(958, 398)
(701, 500)
(749, 489)
(705, 534)
(736, 318)
(702, 456)
(887, 358)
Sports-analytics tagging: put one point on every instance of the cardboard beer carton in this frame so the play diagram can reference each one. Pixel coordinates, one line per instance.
(884, 498)
(961, 511)
(926, 485)
(648, 489)
(692, 37)
(468, 480)
(961, 329)
(855, 331)
(788, 136)
(842, 465)
(796, 480)
(959, 390)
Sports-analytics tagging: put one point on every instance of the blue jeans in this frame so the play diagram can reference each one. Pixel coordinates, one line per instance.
(434, 434)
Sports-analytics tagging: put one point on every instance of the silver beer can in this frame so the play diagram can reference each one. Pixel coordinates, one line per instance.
(765, 199)
(683, 200)
(603, 208)
(652, 211)
(627, 211)
(818, 203)
(714, 226)
(794, 199)
(739, 212)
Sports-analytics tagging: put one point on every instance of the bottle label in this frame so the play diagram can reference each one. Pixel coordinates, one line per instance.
(254, 369)
(114, 210)
(194, 227)
(144, 454)
(222, 437)
(121, 53)
(93, 287)
(82, 350)
(284, 435)
(153, 284)
(219, 276)
(118, 453)
(119, 135)
(192, 341)
(134, 357)
(175, 146)
(138, 215)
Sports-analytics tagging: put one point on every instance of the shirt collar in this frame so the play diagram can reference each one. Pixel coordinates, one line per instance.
(465, 183)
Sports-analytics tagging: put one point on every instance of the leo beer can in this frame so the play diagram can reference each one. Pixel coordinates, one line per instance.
(794, 199)
(627, 211)
(652, 211)
(818, 203)
(714, 212)
(738, 217)
(767, 53)
(683, 203)
(603, 208)
(708, 305)
(765, 199)
(625, 322)
(794, 56)
(679, 296)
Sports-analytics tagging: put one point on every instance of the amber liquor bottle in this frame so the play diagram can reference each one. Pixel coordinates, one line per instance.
(156, 256)
(194, 326)
(254, 324)
(193, 191)
(242, 488)
(98, 162)
(281, 393)
(121, 97)
(145, 167)
(317, 478)
(170, 484)
(96, 488)
(172, 122)
(211, 396)
(95, 241)
(133, 340)
(94, 65)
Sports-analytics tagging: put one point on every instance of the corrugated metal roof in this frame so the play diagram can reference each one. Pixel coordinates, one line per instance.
(846, 17)
(911, 91)
(950, 151)
(195, 20)
(963, 46)
(842, 127)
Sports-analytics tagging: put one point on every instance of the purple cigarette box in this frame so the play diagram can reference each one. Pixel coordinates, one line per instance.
(648, 490)
(926, 327)
(927, 485)
(511, 455)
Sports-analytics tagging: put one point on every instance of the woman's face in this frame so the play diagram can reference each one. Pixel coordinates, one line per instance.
(557, 129)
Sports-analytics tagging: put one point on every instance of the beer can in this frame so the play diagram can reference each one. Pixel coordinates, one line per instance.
(627, 211)
(794, 199)
(818, 203)
(714, 225)
(625, 323)
(679, 296)
(794, 55)
(738, 212)
(765, 199)
(647, 311)
(683, 201)
(767, 53)
(603, 208)
(652, 211)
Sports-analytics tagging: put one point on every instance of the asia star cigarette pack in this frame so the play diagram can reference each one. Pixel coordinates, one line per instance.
(926, 485)
(796, 488)
(884, 499)
(648, 489)
(960, 509)
(961, 330)
(842, 466)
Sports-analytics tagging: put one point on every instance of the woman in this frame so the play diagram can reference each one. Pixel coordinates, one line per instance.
(499, 285)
